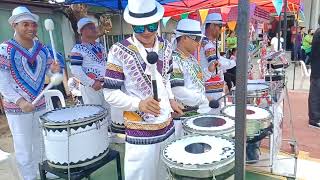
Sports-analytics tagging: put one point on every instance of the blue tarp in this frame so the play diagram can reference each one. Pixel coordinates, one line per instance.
(111, 4)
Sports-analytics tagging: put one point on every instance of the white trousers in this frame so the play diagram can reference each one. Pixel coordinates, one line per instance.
(90, 96)
(178, 128)
(143, 162)
(26, 135)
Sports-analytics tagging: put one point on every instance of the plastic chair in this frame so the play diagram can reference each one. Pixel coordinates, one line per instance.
(4, 156)
(304, 72)
(48, 98)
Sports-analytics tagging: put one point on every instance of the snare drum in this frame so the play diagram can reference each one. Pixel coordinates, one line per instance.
(178, 120)
(256, 92)
(208, 124)
(197, 156)
(257, 118)
(76, 135)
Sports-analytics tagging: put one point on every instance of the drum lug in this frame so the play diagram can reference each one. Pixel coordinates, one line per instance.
(98, 125)
(213, 176)
(69, 132)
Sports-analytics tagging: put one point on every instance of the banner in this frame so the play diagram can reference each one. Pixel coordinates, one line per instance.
(232, 25)
(165, 21)
(203, 14)
(278, 4)
(224, 13)
(184, 16)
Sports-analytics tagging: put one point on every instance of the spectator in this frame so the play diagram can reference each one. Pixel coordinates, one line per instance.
(274, 42)
(230, 74)
(232, 40)
(306, 47)
(298, 41)
(314, 98)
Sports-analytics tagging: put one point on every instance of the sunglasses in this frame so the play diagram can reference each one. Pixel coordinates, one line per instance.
(195, 38)
(141, 29)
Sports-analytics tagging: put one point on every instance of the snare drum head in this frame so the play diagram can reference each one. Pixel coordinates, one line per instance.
(253, 112)
(208, 124)
(257, 87)
(199, 150)
(73, 114)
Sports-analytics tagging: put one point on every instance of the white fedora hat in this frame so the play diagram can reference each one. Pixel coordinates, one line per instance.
(22, 13)
(84, 21)
(143, 12)
(214, 18)
(188, 27)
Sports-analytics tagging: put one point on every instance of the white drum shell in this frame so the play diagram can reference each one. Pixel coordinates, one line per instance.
(77, 142)
(255, 122)
(84, 143)
(197, 169)
(227, 129)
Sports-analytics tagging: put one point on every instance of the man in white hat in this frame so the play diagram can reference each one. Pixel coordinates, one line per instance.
(212, 63)
(187, 78)
(24, 62)
(148, 123)
(88, 63)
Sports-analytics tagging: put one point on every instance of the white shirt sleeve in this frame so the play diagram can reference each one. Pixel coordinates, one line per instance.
(113, 82)
(188, 97)
(169, 90)
(120, 100)
(76, 68)
(226, 64)
(6, 89)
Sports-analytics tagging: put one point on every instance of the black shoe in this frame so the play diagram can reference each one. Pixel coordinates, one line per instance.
(314, 125)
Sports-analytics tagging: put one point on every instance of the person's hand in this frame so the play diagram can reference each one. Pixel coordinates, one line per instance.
(150, 106)
(55, 67)
(97, 85)
(214, 66)
(25, 105)
(177, 107)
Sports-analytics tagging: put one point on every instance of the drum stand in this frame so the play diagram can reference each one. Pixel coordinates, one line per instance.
(292, 141)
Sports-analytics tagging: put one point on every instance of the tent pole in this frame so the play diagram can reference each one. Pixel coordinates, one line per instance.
(295, 49)
(241, 90)
(285, 25)
(279, 31)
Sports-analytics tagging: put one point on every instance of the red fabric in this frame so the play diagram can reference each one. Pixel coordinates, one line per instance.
(214, 79)
(177, 8)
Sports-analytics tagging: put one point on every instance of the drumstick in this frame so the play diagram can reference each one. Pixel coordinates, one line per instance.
(49, 25)
(54, 80)
(152, 58)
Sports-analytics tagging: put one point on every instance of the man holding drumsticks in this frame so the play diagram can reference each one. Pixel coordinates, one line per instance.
(24, 63)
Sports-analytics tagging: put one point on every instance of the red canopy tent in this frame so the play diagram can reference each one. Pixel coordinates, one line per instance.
(184, 6)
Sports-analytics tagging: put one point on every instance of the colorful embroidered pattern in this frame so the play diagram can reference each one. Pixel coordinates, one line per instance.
(176, 78)
(214, 86)
(189, 68)
(76, 58)
(134, 66)
(28, 69)
(134, 136)
(12, 108)
(91, 58)
(4, 63)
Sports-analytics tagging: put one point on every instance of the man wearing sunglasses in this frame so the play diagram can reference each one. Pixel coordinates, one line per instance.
(187, 78)
(212, 63)
(148, 123)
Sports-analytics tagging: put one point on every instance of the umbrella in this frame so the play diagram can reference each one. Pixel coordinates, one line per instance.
(110, 4)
